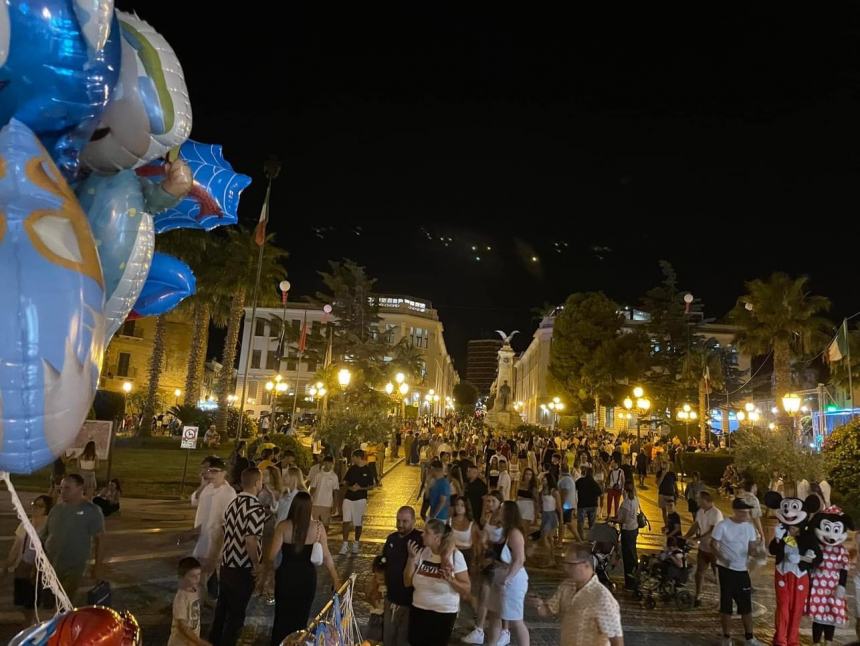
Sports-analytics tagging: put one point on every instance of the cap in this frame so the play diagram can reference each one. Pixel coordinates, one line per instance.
(740, 503)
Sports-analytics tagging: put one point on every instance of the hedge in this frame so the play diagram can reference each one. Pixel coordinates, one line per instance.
(709, 465)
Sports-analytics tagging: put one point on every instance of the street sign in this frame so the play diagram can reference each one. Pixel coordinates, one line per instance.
(189, 437)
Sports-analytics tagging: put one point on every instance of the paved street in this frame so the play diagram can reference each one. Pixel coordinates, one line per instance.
(142, 554)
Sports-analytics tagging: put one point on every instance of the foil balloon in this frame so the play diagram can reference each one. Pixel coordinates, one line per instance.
(52, 330)
(125, 239)
(150, 112)
(89, 626)
(59, 62)
(214, 197)
(169, 282)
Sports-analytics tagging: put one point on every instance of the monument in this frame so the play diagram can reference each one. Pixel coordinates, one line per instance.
(502, 416)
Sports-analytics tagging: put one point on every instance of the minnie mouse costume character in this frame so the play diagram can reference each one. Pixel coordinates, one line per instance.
(826, 603)
(796, 552)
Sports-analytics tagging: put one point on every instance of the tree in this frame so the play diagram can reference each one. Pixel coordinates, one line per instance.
(156, 364)
(408, 359)
(356, 338)
(466, 396)
(841, 456)
(238, 258)
(200, 249)
(670, 331)
(589, 354)
(780, 315)
(760, 451)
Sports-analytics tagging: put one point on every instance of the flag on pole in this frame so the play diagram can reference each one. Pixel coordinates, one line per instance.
(260, 229)
(303, 338)
(838, 347)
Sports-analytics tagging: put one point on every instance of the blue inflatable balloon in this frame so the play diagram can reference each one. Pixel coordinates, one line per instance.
(170, 281)
(125, 238)
(58, 67)
(214, 199)
(52, 299)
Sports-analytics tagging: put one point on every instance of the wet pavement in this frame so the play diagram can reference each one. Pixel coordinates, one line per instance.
(142, 553)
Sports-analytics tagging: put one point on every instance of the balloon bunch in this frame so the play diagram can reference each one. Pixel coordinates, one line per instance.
(95, 161)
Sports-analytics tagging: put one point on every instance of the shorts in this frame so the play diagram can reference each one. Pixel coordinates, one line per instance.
(322, 513)
(567, 515)
(548, 523)
(663, 500)
(705, 559)
(735, 587)
(353, 511)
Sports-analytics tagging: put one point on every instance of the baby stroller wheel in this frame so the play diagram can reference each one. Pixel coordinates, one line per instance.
(650, 603)
(684, 600)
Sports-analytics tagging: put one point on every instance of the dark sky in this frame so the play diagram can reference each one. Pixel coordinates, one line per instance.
(726, 143)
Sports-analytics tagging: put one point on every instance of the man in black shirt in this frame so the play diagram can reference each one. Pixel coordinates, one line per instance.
(476, 489)
(398, 599)
(359, 479)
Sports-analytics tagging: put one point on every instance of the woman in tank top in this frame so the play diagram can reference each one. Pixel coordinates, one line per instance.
(465, 529)
(526, 495)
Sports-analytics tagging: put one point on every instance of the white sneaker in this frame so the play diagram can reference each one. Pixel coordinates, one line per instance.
(474, 637)
(753, 642)
(355, 547)
(344, 549)
(504, 638)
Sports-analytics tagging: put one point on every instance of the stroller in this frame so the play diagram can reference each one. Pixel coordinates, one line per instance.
(658, 576)
(604, 538)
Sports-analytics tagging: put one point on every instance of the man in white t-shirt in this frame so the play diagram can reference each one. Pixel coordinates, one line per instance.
(211, 500)
(323, 484)
(732, 540)
(707, 517)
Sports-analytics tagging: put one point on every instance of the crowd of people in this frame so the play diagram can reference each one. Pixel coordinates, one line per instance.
(487, 507)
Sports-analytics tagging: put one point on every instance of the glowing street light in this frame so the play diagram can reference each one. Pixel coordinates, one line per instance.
(344, 376)
(389, 388)
(399, 377)
(638, 392)
(404, 388)
(126, 387)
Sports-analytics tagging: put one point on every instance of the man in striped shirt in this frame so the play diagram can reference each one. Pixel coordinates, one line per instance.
(240, 559)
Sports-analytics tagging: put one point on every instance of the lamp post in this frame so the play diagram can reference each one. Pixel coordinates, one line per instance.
(791, 405)
(642, 406)
(403, 388)
(686, 415)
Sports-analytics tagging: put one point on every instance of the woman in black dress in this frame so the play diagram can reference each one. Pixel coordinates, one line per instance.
(296, 577)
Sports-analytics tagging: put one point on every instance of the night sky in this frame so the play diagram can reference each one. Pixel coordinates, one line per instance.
(726, 143)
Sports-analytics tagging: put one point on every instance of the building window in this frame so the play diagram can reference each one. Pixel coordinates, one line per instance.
(260, 328)
(610, 417)
(272, 360)
(316, 328)
(311, 366)
(128, 328)
(275, 328)
(255, 358)
(267, 397)
(419, 336)
(252, 390)
(123, 365)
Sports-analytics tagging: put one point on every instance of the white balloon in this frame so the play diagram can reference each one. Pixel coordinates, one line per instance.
(133, 278)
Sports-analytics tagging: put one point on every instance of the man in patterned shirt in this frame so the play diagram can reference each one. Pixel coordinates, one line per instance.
(589, 613)
(240, 559)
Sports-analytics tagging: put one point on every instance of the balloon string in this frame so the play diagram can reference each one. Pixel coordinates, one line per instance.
(44, 569)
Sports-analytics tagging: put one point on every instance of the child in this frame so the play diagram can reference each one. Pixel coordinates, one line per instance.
(375, 591)
(185, 629)
(673, 525)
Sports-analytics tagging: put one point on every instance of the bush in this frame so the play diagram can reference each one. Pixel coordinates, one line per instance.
(841, 456)
(760, 451)
(709, 465)
(249, 426)
(304, 459)
(349, 428)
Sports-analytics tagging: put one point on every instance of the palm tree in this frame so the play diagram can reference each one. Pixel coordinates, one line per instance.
(156, 363)
(702, 371)
(199, 250)
(779, 315)
(407, 358)
(238, 273)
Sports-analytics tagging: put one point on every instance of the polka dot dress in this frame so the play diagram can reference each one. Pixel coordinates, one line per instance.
(822, 604)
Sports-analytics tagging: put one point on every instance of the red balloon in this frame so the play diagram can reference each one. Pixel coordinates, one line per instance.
(96, 626)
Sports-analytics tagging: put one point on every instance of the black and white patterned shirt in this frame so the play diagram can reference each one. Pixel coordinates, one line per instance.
(243, 517)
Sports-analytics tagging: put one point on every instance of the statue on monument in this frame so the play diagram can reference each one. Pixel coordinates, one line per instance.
(504, 396)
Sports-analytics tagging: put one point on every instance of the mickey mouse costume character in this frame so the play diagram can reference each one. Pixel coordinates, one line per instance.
(826, 602)
(797, 552)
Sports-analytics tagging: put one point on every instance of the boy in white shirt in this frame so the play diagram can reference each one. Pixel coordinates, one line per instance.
(322, 487)
(185, 629)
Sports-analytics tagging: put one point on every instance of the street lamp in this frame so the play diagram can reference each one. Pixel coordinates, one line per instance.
(791, 404)
(343, 377)
(389, 388)
(642, 405)
(686, 415)
(126, 387)
(231, 399)
(399, 377)
(176, 394)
